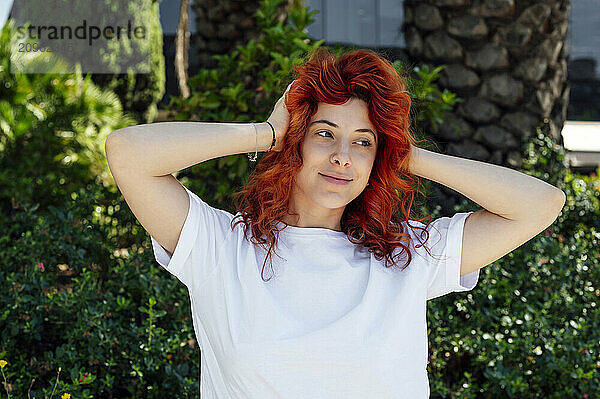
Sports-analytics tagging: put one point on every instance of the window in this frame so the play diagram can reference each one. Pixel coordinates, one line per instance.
(363, 23)
(583, 44)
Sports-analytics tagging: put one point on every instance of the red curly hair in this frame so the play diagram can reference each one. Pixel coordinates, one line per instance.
(370, 219)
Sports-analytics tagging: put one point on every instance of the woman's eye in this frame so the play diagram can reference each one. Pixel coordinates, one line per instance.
(365, 140)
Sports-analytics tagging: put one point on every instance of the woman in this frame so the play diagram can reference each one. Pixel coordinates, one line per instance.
(334, 320)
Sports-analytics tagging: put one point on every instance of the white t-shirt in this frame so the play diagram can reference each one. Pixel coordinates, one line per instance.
(333, 322)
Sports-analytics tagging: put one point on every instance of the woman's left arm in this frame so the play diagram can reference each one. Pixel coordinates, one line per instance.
(517, 206)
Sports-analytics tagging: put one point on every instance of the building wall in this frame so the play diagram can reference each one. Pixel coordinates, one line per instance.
(367, 23)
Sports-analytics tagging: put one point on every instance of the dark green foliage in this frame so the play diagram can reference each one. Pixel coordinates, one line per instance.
(429, 102)
(92, 309)
(103, 306)
(52, 133)
(530, 328)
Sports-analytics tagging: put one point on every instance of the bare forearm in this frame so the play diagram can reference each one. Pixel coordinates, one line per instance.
(503, 191)
(163, 148)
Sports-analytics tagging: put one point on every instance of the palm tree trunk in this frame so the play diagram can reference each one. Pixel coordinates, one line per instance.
(506, 59)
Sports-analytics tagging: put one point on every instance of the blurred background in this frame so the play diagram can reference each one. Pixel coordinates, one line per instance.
(87, 312)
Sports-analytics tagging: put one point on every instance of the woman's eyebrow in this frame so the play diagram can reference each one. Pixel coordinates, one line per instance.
(336, 126)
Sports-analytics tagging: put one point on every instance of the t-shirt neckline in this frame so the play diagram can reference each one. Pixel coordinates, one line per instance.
(309, 231)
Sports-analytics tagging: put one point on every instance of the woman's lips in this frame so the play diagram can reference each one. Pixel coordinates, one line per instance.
(333, 180)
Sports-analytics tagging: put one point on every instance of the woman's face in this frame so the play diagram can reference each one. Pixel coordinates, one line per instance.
(340, 141)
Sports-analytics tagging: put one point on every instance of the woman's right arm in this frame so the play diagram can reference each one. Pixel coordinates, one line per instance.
(159, 149)
(141, 159)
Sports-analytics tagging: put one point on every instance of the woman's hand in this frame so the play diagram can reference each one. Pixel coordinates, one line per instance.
(280, 119)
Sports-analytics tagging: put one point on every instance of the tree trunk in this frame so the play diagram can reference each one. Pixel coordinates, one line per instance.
(222, 25)
(182, 44)
(506, 59)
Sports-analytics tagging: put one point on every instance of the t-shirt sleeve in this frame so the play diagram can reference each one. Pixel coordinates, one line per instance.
(195, 255)
(445, 244)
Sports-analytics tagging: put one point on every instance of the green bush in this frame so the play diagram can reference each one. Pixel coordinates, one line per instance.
(52, 133)
(83, 293)
(75, 300)
(530, 328)
(139, 92)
